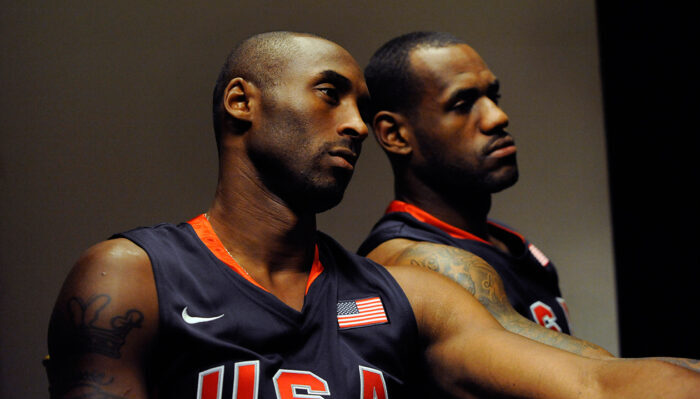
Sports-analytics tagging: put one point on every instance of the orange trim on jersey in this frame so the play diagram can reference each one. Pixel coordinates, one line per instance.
(316, 270)
(206, 233)
(425, 217)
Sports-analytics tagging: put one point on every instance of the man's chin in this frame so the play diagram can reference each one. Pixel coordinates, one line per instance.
(319, 200)
(503, 181)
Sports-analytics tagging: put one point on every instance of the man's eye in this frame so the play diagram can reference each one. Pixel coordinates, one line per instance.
(495, 97)
(463, 105)
(330, 93)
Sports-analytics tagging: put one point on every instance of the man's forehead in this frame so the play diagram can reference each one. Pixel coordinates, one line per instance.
(444, 66)
(317, 58)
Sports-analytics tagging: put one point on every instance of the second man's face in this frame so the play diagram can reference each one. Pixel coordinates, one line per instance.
(458, 124)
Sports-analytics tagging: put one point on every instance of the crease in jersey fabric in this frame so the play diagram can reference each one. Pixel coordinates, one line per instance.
(206, 234)
(456, 232)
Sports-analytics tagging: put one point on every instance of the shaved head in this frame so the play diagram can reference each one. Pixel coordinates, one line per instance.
(259, 60)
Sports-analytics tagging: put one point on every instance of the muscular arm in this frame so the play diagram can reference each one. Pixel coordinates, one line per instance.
(484, 283)
(102, 325)
(470, 354)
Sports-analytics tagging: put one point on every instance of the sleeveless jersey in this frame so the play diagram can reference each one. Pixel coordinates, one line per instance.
(529, 277)
(221, 335)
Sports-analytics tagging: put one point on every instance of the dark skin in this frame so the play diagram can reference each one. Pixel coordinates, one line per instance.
(467, 347)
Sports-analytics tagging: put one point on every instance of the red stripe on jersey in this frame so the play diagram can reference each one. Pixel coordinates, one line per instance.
(206, 233)
(456, 232)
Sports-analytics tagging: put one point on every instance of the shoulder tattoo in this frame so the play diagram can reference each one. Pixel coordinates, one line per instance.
(467, 269)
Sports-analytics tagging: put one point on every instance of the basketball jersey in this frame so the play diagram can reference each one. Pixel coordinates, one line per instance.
(221, 335)
(529, 277)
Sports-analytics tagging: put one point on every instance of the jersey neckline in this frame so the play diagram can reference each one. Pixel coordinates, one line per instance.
(456, 232)
(206, 234)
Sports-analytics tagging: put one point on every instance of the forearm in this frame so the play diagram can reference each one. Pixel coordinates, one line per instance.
(542, 372)
(641, 378)
(690, 364)
(517, 324)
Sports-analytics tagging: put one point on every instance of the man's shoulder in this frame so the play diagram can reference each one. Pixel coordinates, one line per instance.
(114, 251)
(401, 251)
(111, 265)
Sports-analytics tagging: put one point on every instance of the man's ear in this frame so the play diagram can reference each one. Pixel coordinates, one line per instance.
(393, 132)
(240, 99)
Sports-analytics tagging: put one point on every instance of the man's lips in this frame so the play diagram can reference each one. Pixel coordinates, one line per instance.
(502, 148)
(344, 157)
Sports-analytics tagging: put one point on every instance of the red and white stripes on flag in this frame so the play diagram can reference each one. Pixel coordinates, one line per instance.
(361, 312)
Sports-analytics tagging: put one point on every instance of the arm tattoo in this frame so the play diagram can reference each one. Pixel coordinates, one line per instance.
(468, 270)
(89, 337)
(484, 283)
(86, 384)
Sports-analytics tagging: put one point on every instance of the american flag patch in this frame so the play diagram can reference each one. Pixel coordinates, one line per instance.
(361, 312)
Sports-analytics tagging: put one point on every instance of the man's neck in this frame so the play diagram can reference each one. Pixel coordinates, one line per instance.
(465, 210)
(272, 243)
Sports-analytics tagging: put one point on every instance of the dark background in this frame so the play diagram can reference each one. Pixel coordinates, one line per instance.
(649, 71)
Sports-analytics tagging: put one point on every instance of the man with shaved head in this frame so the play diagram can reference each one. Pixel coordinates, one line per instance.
(248, 300)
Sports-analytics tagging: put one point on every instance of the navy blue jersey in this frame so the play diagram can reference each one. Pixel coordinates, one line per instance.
(221, 335)
(529, 277)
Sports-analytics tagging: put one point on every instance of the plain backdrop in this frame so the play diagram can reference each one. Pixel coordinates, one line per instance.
(105, 125)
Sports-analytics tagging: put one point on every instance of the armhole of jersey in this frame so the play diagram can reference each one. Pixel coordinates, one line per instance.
(397, 287)
(155, 266)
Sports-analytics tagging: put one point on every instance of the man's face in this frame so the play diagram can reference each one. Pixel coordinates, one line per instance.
(311, 126)
(459, 128)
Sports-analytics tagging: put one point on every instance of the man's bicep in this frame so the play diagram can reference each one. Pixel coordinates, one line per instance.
(485, 284)
(103, 324)
(454, 326)
(468, 270)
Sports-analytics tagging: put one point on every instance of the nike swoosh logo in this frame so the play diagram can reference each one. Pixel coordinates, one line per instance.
(194, 320)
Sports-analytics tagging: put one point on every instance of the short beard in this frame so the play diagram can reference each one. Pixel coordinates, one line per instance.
(453, 181)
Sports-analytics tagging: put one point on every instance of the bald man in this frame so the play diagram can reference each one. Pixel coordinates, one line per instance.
(248, 300)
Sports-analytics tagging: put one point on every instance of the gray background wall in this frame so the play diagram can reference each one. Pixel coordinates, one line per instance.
(105, 125)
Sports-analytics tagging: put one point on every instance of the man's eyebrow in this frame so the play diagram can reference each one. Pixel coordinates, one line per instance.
(468, 92)
(339, 81)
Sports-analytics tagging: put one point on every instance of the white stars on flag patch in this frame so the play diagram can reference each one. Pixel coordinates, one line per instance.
(361, 312)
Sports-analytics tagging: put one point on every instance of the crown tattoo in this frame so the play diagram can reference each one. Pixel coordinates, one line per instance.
(94, 339)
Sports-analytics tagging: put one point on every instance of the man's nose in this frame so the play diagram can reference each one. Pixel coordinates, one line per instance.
(493, 118)
(353, 125)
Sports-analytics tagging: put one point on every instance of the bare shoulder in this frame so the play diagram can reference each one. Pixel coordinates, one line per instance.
(103, 322)
(116, 268)
(401, 251)
(465, 268)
